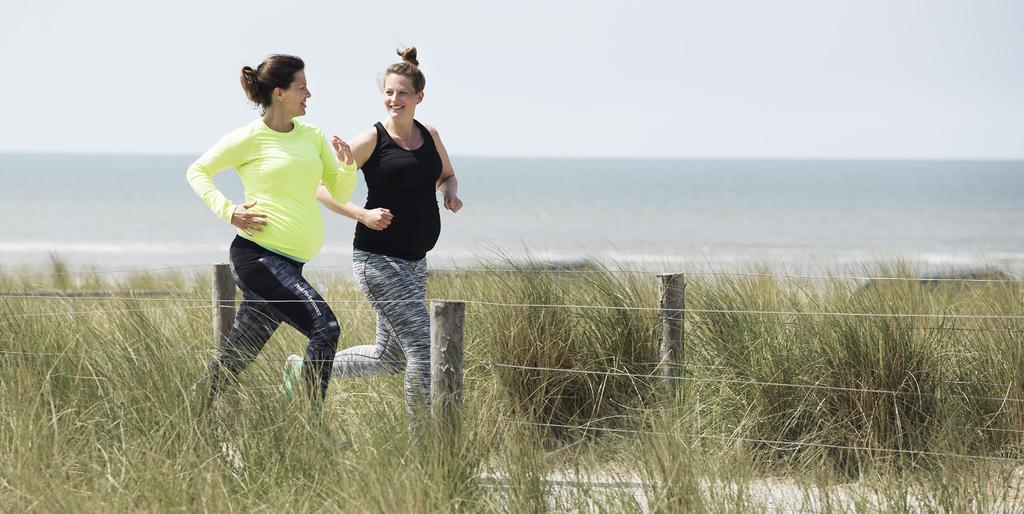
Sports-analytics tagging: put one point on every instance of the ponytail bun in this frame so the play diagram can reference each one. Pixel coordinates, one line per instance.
(409, 68)
(409, 55)
(275, 71)
(251, 84)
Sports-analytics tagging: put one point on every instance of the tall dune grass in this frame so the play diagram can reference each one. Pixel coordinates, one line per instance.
(100, 400)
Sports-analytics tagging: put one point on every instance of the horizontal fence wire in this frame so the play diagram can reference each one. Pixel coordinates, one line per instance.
(184, 354)
(705, 321)
(208, 301)
(587, 307)
(645, 376)
(741, 311)
(120, 295)
(554, 269)
(939, 328)
(191, 298)
(746, 382)
(859, 278)
(787, 276)
(778, 445)
(541, 368)
(107, 272)
(87, 294)
(727, 368)
(207, 354)
(655, 375)
(167, 354)
(67, 312)
(1001, 430)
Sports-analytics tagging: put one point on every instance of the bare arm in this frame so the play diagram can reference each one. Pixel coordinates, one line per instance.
(447, 183)
(361, 149)
(347, 209)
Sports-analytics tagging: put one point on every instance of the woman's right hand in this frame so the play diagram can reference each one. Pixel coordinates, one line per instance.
(342, 150)
(248, 220)
(376, 219)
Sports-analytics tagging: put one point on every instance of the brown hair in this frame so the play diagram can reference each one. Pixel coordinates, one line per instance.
(409, 68)
(275, 71)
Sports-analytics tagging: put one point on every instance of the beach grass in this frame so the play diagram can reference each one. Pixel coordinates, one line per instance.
(799, 394)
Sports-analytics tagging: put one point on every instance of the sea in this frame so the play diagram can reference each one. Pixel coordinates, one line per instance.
(137, 211)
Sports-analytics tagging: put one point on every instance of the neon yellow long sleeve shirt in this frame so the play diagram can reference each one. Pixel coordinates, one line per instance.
(281, 172)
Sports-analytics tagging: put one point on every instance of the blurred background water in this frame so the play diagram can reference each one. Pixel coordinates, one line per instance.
(117, 210)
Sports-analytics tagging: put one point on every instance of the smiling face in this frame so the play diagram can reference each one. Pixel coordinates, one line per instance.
(293, 99)
(400, 98)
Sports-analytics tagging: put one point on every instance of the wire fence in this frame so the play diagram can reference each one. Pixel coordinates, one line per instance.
(130, 293)
(206, 303)
(190, 302)
(555, 269)
(654, 375)
(740, 311)
(108, 272)
(189, 355)
(72, 312)
(688, 310)
(703, 273)
(779, 445)
(67, 312)
(749, 382)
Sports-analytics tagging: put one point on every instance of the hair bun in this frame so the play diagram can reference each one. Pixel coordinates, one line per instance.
(409, 68)
(248, 73)
(251, 84)
(409, 55)
(276, 71)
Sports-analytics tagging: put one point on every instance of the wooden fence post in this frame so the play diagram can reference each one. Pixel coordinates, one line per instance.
(223, 302)
(672, 302)
(447, 320)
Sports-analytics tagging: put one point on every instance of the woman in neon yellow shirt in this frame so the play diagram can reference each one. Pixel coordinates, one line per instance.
(281, 162)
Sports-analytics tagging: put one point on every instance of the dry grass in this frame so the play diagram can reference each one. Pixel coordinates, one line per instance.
(99, 407)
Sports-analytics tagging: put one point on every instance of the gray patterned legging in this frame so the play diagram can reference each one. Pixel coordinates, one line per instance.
(397, 289)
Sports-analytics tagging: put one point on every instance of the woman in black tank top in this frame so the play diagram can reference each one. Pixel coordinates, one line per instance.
(402, 181)
(405, 165)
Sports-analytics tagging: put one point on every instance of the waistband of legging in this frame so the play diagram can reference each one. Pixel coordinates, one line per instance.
(241, 242)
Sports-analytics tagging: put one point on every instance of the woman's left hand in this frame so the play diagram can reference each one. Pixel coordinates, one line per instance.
(452, 202)
(342, 150)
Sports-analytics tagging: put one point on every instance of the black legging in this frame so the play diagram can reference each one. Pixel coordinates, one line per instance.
(273, 291)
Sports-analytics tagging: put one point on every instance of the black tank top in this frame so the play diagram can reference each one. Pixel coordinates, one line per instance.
(403, 181)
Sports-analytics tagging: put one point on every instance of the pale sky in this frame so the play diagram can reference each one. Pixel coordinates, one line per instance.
(862, 79)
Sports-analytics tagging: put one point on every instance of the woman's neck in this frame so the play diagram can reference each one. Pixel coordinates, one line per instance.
(278, 120)
(400, 127)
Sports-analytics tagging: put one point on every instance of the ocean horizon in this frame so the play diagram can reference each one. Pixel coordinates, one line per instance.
(137, 210)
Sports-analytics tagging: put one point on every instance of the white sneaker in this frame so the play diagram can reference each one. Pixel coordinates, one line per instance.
(292, 376)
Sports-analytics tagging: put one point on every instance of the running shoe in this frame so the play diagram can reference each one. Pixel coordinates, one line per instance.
(292, 376)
